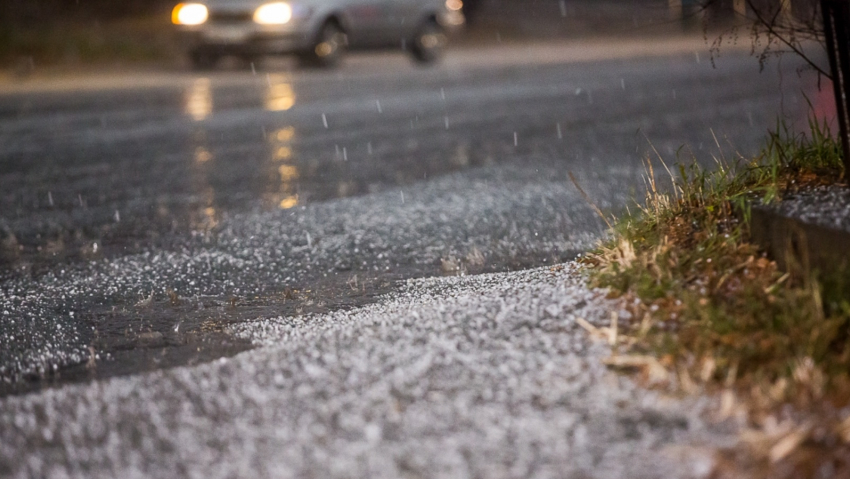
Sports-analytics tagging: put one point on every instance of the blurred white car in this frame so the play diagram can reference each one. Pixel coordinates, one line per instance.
(317, 31)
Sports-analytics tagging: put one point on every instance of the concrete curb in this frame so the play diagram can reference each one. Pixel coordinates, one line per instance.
(800, 246)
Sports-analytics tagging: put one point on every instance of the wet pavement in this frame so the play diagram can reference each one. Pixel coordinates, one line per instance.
(463, 377)
(144, 215)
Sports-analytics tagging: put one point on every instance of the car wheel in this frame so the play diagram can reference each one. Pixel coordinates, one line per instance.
(429, 43)
(204, 59)
(328, 48)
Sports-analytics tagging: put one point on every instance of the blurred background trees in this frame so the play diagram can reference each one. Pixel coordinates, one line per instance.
(33, 11)
(38, 32)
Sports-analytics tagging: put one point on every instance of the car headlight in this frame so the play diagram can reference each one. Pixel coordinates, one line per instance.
(276, 13)
(189, 14)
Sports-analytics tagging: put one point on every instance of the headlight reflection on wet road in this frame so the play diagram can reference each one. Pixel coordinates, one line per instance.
(284, 174)
(280, 95)
(199, 100)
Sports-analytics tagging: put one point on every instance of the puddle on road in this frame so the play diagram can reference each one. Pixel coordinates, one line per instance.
(162, 332)
(171, 331)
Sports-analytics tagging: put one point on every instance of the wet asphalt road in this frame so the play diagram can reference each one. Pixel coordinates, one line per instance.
(142, 215)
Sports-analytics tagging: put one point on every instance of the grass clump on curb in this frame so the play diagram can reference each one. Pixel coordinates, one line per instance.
(712, 308)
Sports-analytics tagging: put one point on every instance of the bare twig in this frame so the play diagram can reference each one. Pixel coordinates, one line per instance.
(589, 201)
(789, 33)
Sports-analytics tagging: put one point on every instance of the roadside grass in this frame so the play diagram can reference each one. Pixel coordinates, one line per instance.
(145, 39)
(718, 315)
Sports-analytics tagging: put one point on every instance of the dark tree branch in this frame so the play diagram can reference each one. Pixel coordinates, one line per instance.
(769, 19)
(788, 41)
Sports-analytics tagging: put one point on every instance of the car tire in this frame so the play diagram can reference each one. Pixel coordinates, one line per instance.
(328, 48)
(203, 60)
(429, 44)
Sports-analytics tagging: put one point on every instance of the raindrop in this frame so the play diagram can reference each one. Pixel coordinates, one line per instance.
(325, 120)
(253, 72)
(344, 154)
(558, 128)
(80, 199)
(117, 216)
(50, 198)
(516, 139)
(623, 84)
(578, 91)
(443, 93)
(265, 135)
(563, 8)
(378, 104)
(369, 147)
(498, 37)
(697, 55)
(446, 118)
(402, 196)
(309, 240)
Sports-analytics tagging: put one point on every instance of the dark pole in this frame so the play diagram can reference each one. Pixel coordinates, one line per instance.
(836, 25)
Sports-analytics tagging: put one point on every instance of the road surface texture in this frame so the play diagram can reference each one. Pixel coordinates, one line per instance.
(216, 275)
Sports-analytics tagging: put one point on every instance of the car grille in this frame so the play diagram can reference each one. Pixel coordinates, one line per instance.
(231, 17)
